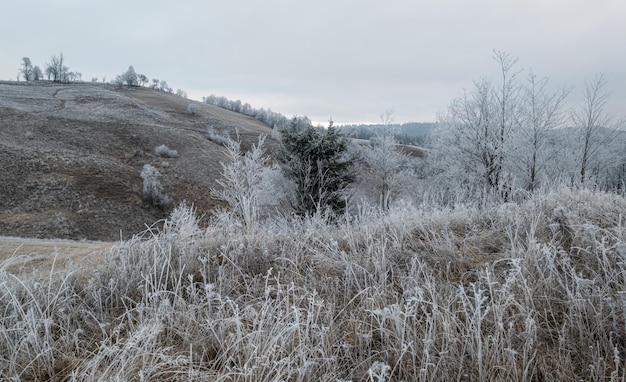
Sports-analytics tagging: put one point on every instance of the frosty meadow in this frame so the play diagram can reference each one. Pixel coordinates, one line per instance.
(256, 247)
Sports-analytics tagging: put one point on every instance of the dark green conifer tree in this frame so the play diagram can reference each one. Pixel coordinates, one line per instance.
(318, 163)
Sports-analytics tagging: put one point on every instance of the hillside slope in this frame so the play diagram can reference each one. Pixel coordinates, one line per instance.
(71, 157)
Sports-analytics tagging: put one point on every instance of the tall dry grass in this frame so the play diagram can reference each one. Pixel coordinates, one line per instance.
(527, 291)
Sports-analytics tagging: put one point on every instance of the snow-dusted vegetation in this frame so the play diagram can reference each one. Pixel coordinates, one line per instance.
(501, 256)
(510, 292)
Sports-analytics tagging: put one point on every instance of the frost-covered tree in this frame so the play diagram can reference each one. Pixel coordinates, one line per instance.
(142, 79)
(56, 69)
(387, 116)
(128, 78)
(247, 184)
(26, 69)
(272, 119)
(479, 125)
(74, 76)
(386, 170)
(534, 148)
(614, 165)
(164, 87)
(470, 141)
(37, 73)
(596, 126)
(246, 109)
(507, 108)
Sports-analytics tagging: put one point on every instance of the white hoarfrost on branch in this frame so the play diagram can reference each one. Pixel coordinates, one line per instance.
(386, 171)
(152, 190)
(248, 183)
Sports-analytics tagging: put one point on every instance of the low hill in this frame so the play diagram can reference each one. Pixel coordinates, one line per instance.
(71, 157)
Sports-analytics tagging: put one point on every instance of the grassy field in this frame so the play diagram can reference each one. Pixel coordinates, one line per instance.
(40, 254)
(512, 292)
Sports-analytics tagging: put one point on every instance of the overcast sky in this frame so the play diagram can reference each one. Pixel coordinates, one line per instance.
(346, 59)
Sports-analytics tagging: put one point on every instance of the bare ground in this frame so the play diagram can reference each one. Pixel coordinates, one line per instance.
(71, 157)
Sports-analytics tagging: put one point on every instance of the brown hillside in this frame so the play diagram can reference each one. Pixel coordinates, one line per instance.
(71, 157)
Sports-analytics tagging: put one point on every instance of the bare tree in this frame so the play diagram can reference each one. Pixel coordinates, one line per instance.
(480, 125)
(56, 69)
(387, 116)
(542, 111)
(473, 139)
(385, 170)
(506, 98)
(74, 76)
(594, 122)
(26, 69)
(142, 79)
(164, 87)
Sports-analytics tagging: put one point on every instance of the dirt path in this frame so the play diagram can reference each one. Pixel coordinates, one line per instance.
(29, 254)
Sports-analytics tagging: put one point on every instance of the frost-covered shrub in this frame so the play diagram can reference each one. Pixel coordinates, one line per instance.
(152, 190)
(249, 184)
(165, 152)
(216, 137)
(193, 109)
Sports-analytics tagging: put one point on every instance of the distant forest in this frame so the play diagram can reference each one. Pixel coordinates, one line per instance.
(410, 133)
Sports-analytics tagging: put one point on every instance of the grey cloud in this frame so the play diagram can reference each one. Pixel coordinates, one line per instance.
(350, 59)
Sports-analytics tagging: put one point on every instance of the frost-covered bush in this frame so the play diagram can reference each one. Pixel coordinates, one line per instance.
(165, 152)
(248, 184)
(152, 191)
(216, 137)
(193, 109)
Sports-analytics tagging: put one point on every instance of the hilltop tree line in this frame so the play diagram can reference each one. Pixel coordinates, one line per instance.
(57, 71)
(411, 133)
(130, 78)
(270, 118)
